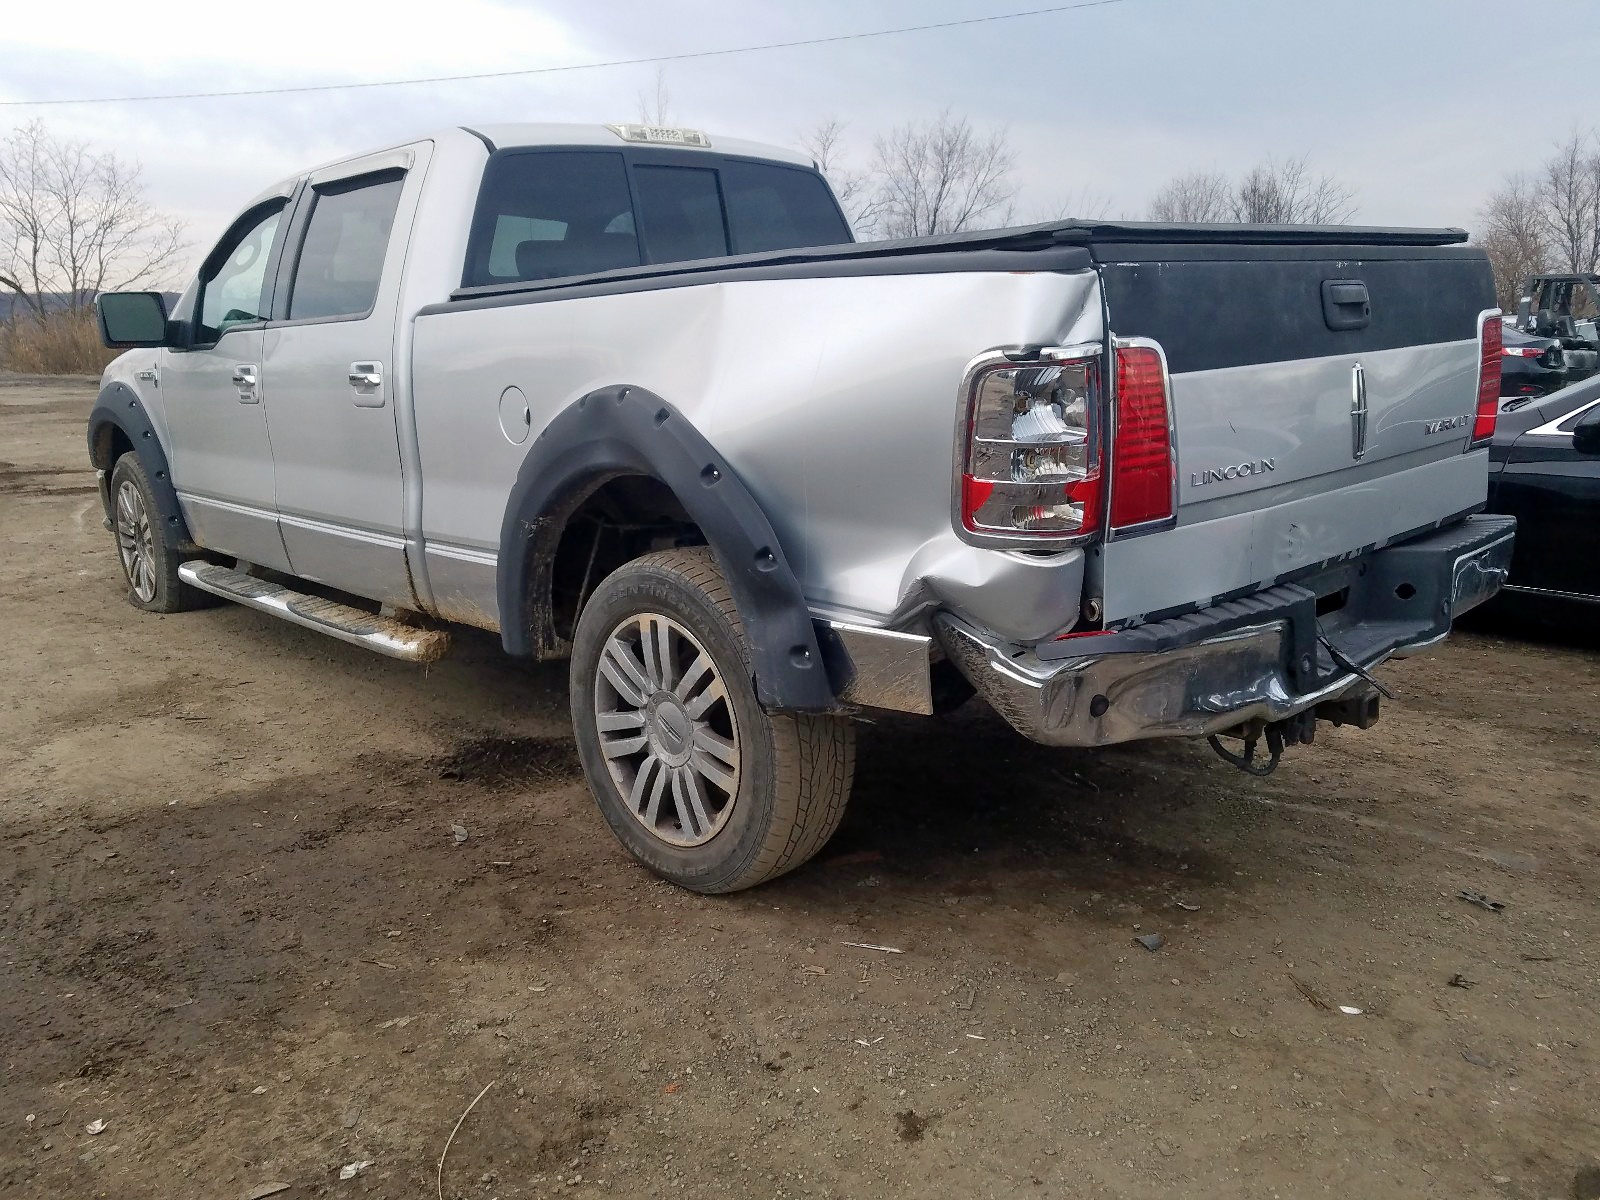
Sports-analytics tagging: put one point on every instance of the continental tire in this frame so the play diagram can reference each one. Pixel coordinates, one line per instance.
(699, 783)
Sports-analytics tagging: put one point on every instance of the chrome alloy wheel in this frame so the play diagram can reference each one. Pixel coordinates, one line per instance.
(136, 542)
(667, 729)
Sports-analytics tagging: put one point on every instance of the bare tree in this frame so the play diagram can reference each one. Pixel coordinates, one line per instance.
(1285, 193)
(1568, 191)
(74, 222)
(1274, 193)
(825, 143)
(1204, 196)
(1514, 236)
(941, 177)
(1083, 204)
(655, 107)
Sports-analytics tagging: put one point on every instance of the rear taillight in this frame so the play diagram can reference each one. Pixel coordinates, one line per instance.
(1520, 352)
(1037, 464)
(1142, 470)
(1489, 355)
(1030, 468)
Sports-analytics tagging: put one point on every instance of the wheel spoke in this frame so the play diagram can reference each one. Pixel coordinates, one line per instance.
(714, 771)
(620, 747)
(689, 797)
(698, 670)
(714, 744)
(701, 704)
(655, 644)
(614, 722)
(618, 664)
(645, 800)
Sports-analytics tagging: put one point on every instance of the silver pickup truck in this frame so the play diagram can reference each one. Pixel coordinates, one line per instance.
(631, 396)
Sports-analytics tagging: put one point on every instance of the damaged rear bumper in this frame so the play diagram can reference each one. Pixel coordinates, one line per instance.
(1258, 657)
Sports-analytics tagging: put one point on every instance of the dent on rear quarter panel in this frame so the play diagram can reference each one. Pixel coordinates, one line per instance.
(833, 398)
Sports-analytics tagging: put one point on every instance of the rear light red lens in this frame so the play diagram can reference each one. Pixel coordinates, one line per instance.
(1520, 352)
(1489, 355)
(1141, 451)
(974, 494)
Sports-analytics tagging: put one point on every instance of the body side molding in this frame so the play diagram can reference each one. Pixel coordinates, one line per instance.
(623, 430)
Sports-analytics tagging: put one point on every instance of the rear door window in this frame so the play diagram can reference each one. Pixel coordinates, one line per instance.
(550, 214)
(347, 238)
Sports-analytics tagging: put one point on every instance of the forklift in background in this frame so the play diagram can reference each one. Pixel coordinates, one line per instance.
(1566, 308)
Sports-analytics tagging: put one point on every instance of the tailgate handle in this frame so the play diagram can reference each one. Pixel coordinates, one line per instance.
(1345, 304)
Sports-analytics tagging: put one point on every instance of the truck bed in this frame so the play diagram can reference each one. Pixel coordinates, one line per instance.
(1269, 481)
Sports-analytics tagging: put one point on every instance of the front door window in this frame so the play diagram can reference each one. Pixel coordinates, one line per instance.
(234, 290)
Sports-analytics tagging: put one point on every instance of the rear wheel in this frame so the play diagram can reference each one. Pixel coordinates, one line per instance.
(699, 782)
(147, 555)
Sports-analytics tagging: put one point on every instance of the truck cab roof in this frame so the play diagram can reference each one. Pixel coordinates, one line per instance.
(531, 133)
(524, 134)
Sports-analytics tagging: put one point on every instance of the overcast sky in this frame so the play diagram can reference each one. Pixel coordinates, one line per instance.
(1420, 105)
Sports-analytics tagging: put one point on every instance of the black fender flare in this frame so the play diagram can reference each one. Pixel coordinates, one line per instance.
(119, 407)
(626, 430)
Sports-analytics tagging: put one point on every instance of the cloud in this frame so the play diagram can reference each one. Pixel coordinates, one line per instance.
(193, 45)
(1402, 101)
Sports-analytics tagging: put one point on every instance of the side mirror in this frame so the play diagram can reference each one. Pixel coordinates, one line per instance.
(129, 319)
(1586, 433)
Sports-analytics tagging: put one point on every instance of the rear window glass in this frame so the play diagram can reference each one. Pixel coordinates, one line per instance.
(558, 213)
(682, 213)
(776, 208)
(547, 215)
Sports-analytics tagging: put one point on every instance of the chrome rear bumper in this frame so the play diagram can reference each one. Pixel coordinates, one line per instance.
(1258, 657)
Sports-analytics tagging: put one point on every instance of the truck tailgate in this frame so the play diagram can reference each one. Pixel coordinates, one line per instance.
(1323, 399)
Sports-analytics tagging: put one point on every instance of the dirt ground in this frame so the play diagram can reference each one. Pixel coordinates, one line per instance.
(238, 929)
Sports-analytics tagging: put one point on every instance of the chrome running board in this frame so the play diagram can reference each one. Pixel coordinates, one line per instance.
(385, 635)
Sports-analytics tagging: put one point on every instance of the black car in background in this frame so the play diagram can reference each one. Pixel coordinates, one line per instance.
(1529, 365)
(1544, 469)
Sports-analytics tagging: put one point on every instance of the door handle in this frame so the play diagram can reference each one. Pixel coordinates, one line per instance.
(244, 378)
(366, 378)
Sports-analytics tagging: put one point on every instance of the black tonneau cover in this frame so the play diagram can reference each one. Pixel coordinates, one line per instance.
(1069, 245)
(1074, 232)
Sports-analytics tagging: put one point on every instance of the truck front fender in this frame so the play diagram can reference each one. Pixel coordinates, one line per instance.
(119, 410)
(625, 430)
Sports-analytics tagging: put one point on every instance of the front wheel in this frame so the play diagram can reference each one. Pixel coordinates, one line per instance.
(700, 783)
(147, 555)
